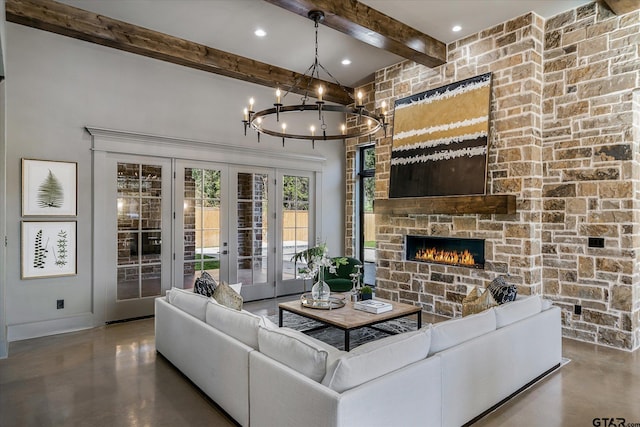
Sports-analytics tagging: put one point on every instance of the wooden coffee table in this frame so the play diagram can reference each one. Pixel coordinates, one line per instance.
(347, 318)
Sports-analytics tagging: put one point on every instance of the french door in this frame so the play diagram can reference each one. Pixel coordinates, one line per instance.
(136, 234)
(251, 250)
(296, 212)
(242, 225)
(201, 217)
(165, 222)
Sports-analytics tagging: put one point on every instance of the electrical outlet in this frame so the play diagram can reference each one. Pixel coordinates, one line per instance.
(60, 304)
(577, 309)
(595, 242)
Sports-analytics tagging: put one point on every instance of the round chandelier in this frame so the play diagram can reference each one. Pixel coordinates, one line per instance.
(271, 121)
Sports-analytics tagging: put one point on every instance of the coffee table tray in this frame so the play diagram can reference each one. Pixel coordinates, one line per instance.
(333, 302)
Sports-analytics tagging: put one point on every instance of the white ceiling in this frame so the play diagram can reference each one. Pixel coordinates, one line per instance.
(229, 25)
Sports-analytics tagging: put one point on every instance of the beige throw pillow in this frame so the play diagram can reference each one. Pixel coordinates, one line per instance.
(476, 302)
(226, 296)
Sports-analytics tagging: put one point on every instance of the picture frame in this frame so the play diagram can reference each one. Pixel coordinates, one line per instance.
(48, 249)
(440, 140)
(49, 188)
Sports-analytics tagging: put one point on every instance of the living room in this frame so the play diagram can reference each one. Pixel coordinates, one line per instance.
(564, 121)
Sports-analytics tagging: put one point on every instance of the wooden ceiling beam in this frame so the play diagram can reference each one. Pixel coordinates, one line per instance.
(73, 22)
(372, 27)
(620, 7)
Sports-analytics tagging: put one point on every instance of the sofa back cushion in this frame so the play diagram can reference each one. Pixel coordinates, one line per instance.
(377, 358)
(187, 301)
(240, 325)
(453, 332)
(297, 351)
(519, 309)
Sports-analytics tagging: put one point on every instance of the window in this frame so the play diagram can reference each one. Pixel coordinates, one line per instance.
(367, 222)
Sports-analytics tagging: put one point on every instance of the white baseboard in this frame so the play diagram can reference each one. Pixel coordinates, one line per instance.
(49, 327)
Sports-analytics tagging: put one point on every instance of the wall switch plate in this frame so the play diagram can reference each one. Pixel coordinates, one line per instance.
(59, 304)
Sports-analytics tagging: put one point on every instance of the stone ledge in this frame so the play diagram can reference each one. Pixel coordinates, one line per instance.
(489, 204)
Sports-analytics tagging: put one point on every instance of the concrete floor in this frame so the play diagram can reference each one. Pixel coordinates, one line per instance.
(112, 376)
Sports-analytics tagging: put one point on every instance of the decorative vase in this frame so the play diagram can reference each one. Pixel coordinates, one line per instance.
(364, 297)
(320, 290)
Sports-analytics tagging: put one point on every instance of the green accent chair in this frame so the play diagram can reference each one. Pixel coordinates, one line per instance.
(341, 280)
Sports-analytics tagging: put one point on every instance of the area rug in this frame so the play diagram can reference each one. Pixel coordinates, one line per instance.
(335, 336)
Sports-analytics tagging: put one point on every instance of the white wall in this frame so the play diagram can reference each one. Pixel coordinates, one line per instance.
(3, 323)
(60, 85)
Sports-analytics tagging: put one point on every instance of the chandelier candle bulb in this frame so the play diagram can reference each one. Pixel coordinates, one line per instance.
(278, 94)
(320, 91)
(284, 131)
(251, 102)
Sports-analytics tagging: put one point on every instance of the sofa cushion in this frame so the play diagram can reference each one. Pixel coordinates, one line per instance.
(205, 285)
(187, 301)
(477, 302)
(225, 295)
(297, 351)
(377, 358)
(507, 314)
(502, 291)
(240, 325)
(452, 332)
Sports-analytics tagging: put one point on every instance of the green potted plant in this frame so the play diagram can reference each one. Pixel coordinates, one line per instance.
(366, 293)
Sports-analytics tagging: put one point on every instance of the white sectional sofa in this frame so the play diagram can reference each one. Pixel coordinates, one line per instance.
(445, 374)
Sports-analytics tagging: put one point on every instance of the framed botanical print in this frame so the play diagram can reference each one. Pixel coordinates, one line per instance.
(48, 249)
(49, 188)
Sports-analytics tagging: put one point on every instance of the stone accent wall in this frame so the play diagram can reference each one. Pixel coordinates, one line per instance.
(560, 140)
(591, 67)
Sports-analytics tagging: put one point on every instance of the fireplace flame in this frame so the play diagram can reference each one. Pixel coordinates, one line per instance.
(446, 257)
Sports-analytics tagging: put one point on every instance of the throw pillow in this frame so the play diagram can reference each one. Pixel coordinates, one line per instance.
(226, 296)
(501, 291)
(205, 285)
(476, 302)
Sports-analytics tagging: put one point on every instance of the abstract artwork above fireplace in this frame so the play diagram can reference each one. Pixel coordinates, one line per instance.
(440, 140)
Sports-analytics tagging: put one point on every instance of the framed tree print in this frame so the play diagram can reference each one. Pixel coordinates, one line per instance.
(49, 188)
(48, 249)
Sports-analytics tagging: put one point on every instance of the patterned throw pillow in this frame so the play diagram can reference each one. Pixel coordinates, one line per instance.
(225, 295)
(502, 291)
(205, 285)
(476, 302)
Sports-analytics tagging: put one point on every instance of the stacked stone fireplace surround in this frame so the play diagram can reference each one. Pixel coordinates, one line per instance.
(564, 136)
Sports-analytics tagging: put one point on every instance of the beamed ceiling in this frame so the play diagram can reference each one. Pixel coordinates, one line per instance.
(215, 35)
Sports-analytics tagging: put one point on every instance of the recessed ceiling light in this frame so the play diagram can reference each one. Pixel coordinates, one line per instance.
(456, 28)
(346, 61)
(260, 32)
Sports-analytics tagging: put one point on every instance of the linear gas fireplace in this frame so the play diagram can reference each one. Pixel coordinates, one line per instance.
(445, 250)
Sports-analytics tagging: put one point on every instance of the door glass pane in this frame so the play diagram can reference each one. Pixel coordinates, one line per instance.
(139, 252)
(252, 228)
(295, 222)
(368, 225)
(201, 224)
